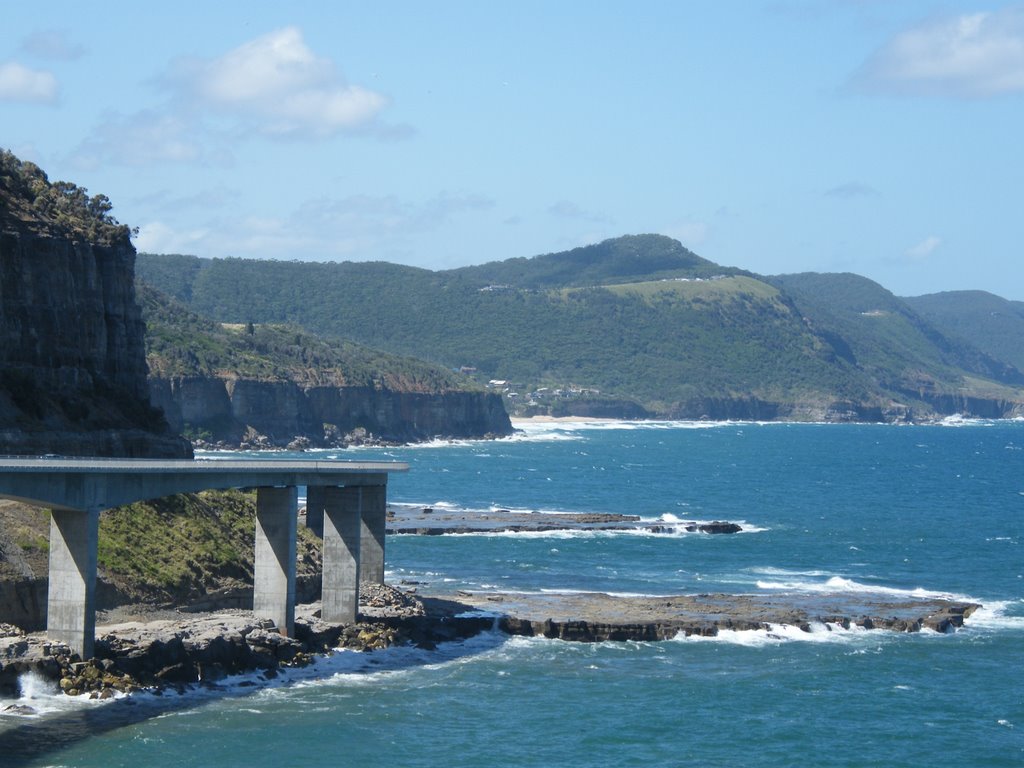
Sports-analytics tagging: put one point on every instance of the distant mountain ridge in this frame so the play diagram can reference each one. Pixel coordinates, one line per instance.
(637, 258)
(636, 318)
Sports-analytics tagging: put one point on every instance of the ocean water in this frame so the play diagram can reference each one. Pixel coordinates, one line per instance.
(923, 510)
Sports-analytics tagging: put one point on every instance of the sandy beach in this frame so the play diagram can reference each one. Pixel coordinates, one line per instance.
(560, 419)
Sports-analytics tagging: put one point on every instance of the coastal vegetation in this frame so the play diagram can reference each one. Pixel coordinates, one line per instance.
(60, 207)
(991, 323)
(180, 342)
(183, 548)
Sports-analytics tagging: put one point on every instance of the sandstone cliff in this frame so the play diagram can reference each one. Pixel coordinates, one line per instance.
(264, 385)
(72, 358)
(275, 413)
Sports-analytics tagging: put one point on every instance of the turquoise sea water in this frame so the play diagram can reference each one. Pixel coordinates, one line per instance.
(899, 510)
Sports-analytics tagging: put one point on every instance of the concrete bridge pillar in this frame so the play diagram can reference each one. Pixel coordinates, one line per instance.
(315, 509)
(373, 512)
(342, 528)
(71, 603)
(274, 577)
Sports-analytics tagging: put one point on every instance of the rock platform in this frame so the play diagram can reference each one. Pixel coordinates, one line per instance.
(594, 617)
(163, 649)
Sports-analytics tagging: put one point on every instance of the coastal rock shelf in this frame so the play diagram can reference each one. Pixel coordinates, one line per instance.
(168, 649)
(430, 521)
(594, 617)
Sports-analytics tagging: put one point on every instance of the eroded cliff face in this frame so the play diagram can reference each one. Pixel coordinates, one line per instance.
(233, 410)
(72, 357)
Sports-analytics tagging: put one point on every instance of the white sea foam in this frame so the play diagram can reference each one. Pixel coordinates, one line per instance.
(770, 571)
(546, 591)
(44, 697)
(998, 615)
(959, 420)
(992, 616)
(553, 436)
(538, 431)
(777, 634)
(841, 584)
(581, 533)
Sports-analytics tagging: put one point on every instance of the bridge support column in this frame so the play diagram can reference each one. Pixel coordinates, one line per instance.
(342, 526)
(371, 545)
(274, 578)
(70, 604)
(315, 509)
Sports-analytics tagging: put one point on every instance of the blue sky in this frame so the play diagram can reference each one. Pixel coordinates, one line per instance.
(882, 138)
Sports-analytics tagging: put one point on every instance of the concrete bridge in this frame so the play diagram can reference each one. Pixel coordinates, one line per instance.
(346, 503)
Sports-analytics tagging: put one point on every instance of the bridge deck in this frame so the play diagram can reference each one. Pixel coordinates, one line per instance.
(82, 484)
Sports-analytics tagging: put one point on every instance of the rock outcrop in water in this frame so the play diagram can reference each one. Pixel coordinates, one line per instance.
(427, 521)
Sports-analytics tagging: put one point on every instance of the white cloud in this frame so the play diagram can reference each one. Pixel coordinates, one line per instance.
(143, 138)
(19, 83)
(158, 237)
(278, 87)
(924, 249)
(359, 226)
(973, 55)
(272, 86)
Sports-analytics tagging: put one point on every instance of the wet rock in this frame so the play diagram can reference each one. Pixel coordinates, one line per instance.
(718, 526)
(18, 709)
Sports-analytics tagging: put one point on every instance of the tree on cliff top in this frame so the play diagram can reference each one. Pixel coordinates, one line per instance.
(27, 196)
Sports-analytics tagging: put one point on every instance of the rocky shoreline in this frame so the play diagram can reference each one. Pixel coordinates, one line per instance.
(165, 650)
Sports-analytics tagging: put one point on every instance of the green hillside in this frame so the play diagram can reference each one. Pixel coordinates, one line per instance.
(991, 323)
(886, 338)
(658, 343)
(637, 318)
(182, 343)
